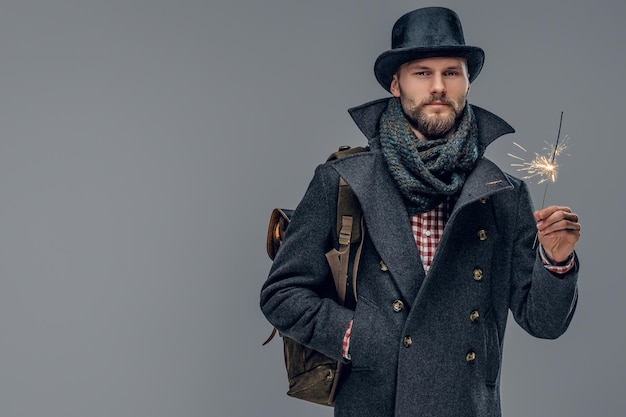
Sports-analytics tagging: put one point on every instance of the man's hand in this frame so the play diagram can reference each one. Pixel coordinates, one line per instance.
(558, 230)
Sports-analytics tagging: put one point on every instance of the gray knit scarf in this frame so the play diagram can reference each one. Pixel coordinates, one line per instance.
(428, 171)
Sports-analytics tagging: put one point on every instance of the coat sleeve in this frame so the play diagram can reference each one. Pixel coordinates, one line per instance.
(542, 302)
(295, 297)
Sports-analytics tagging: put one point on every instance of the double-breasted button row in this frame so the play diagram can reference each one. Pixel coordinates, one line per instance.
(469, 357)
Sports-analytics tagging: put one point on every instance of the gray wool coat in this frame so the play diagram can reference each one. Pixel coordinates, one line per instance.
(421, 345)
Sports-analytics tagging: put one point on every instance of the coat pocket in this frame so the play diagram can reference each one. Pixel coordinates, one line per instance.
(494, 354)
(371, 333)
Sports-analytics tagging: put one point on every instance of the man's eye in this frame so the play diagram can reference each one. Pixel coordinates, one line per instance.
(451, 74)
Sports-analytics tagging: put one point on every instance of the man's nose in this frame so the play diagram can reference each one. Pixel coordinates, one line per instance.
(437, 85)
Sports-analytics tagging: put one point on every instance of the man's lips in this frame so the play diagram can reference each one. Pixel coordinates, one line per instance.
(437, 103)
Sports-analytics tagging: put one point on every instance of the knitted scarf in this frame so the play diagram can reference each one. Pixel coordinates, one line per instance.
(427, 171)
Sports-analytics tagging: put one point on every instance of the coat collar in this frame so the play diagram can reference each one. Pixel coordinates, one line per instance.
(484, 180)
(367, 118)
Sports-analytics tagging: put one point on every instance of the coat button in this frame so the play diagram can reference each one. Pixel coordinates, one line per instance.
(408, 341)
(398, 305)
(484, 200)
(482, 234)
(470, 357)
(474, 315)
(478, 274)
(383, 267)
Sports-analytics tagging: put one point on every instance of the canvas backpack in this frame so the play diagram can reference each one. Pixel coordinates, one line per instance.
(313, 376)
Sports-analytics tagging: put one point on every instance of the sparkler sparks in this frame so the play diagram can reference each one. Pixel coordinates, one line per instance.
(543, 166)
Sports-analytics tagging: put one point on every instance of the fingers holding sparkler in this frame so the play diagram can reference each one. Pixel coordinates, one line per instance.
(558, 231)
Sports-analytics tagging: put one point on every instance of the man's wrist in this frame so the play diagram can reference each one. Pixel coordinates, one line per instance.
(556, 267)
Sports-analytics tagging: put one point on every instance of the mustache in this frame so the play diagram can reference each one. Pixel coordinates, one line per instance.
(438, 98)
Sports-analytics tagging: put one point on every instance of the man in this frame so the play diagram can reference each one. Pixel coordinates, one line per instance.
(449, 246)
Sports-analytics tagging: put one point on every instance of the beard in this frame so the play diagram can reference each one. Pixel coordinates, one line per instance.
(432, 126)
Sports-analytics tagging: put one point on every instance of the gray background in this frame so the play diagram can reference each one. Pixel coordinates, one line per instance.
(144, 143)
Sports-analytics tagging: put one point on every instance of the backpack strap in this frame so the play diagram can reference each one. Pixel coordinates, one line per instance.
(357, 259)
(350, 226)
(350, 229)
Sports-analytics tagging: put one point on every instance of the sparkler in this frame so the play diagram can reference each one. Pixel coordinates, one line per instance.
(542, 166)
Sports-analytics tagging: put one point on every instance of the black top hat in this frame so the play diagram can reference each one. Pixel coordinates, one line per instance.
(425, 33)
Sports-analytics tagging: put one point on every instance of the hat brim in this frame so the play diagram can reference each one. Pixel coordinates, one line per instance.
(388, 62)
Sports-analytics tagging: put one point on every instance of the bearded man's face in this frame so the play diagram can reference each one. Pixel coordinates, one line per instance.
(433, 93)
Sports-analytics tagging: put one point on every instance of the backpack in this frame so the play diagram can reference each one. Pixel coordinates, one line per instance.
(313, 376)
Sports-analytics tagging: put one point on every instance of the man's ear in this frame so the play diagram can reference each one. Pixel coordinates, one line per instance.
(394, 88)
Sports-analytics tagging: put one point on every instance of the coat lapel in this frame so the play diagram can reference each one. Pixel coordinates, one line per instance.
(386, 218)
(486, 179)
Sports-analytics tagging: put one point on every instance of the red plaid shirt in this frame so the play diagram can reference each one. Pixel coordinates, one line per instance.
(427, 231)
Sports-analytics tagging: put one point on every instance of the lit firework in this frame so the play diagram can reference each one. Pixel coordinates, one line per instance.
(543, 166)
